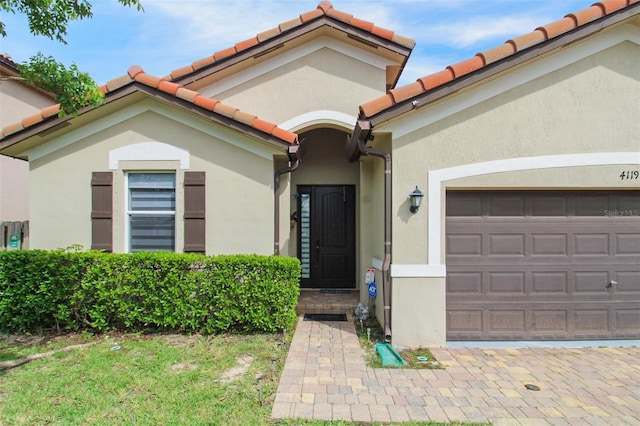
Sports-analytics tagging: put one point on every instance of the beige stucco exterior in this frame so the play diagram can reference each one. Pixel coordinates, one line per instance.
(320, 80)
(566, 119)
(239, 181)
(570, 127)
(16, 102)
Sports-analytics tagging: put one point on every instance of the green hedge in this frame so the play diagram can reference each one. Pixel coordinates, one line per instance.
(146, 291)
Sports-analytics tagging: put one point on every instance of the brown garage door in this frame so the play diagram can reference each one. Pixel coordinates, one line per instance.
(543, 265)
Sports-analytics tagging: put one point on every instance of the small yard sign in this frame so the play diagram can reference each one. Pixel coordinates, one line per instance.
(14, 240)
(373, 290)
(370, 276)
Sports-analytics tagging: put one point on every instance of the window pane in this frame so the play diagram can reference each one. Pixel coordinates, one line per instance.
(152, 233)
(305, 234)
(151, 199)
(152, 180)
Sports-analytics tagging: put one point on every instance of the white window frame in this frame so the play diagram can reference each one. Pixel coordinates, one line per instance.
(129, 212)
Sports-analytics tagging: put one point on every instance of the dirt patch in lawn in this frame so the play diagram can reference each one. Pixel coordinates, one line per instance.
(244, 362)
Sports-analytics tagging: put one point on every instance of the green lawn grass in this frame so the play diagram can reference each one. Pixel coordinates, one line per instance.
(129, 379)
(159, 380)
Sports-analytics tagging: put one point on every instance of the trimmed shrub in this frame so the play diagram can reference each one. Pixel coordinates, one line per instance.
(147, 291)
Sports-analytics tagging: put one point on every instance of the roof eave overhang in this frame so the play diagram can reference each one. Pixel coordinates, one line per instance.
(275, 43)
(498, 67)
(55, 123)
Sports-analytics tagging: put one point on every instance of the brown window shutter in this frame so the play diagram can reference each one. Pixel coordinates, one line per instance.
(194, 212)
(102, 211)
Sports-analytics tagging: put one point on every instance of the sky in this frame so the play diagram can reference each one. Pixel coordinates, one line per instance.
(171, 34)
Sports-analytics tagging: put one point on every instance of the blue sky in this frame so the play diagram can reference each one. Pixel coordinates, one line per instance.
(171, 34)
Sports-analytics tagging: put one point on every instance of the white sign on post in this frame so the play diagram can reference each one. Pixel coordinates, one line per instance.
(370, 276)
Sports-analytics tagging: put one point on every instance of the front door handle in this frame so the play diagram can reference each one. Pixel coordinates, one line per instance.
(317, 250)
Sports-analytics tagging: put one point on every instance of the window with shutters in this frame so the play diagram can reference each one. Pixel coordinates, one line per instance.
(151, 211)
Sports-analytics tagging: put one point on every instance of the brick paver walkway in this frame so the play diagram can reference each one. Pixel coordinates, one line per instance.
(325, 377)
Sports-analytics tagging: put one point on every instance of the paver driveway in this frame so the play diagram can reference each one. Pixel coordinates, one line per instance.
(325, 377)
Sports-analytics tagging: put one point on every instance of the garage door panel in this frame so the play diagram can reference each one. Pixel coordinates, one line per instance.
(465, 245)
(591, 322)
(549, 244)
(591, 244)
(465, 283)
(628, 283)
(543, 277)
(627, 321)
(546, 321)
(627, 244)
(511, 245)
(549, 283)
(506, 283)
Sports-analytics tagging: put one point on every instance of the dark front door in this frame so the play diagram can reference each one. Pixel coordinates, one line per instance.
(326, 236)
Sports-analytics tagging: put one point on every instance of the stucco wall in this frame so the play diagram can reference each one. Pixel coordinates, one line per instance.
(556, 131)
(16, 102)
(238, 185)
(323, 80)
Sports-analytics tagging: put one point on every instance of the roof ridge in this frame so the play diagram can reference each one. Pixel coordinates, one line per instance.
(324, 8)
(138, 75)
(512, 46)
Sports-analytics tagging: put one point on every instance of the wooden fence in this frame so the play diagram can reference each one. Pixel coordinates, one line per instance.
(14, 235)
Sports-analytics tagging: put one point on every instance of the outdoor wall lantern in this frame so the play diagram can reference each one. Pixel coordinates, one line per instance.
(416, 198)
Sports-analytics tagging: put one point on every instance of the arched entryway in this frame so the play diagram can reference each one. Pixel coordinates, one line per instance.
(323, 210)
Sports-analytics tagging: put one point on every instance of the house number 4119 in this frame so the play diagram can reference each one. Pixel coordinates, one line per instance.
(629, 174)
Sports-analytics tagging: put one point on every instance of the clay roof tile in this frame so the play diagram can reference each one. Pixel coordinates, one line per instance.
(263, 126)
(340, 16)
(169, 87)
(467, 66)
(181, 71)
(365, 25)
(557, 28)
(436, 79)
(269, 34)
(134, 71)
(187, 94)
(284, 135)
(50, 111)
(225, 110)
(118, 83)
(527, 40)
(313, 14)
(493, 55)
(201, 63)
(285, 26)
(325, 6)
(205, 102)
(246, 44)
(587, 15)
(32, 119)
(221, 54)
(610, 6)
(379, 104)
(244, 117)
(148, 79)
(406, 92)
(12, 128)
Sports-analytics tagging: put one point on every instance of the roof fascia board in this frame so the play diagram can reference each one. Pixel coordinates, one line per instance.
(506, 64)
(430, 114)
(291, 56)
(277, 41)
(182, 117)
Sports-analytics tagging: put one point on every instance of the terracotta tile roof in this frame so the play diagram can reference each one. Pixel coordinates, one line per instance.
(7, 62)
(324, 8)
(510, 47)
(136, 74)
